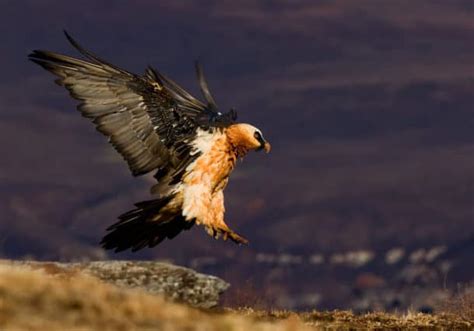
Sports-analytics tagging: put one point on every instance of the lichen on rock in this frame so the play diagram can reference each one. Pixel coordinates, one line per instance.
(177, 283)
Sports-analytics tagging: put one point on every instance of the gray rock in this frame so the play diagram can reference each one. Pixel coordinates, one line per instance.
(177, 283)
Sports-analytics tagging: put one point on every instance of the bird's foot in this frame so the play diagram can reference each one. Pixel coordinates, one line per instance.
(236, 238)
(227, 233)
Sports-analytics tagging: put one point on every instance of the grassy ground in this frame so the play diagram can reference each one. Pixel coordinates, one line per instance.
(345, 320)
(34, 300)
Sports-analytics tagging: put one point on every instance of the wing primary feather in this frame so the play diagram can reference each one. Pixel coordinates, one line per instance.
(91, 56)
(211, 103)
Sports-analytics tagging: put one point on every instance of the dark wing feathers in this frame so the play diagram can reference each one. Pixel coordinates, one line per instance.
(117, 111)
(185, 100)
(211, 103)
(136, 228)
(148, 119)
(94, 58)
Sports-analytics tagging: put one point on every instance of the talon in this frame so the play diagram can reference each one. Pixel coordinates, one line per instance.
(238, 239)
(227, 233)
(210, 231)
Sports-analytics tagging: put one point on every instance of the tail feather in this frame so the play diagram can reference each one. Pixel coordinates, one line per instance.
(136, 228)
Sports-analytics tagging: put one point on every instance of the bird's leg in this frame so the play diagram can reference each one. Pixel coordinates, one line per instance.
(223, 230)
(218, 225)
(208, 210)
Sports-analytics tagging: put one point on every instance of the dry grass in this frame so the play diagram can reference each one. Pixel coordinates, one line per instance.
(345, 320)
(35, 300)
(462, 303)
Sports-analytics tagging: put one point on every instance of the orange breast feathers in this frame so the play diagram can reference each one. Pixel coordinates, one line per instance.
(206, 177)
(202, 187)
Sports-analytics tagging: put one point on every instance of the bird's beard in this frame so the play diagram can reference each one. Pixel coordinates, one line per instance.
(240, 151)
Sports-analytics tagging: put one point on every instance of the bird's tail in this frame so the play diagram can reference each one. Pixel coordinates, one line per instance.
(139, 228)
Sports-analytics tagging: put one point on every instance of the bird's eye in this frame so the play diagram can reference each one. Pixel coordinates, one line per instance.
(257, 135)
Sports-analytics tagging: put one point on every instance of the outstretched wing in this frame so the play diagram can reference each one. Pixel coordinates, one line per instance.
(146, 118)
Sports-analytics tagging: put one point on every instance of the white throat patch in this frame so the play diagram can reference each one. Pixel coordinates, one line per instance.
(204, 140)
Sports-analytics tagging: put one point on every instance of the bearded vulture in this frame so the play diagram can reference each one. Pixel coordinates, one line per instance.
(157, 126)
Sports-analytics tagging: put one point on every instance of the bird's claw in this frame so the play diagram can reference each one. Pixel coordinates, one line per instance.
(226, 233)
(238, 239)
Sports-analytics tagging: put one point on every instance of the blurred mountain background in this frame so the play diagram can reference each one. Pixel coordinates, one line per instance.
(367, 197)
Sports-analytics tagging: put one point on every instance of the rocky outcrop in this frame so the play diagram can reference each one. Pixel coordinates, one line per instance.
(174, 282)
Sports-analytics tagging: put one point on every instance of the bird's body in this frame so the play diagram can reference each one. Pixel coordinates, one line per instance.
(156, 125)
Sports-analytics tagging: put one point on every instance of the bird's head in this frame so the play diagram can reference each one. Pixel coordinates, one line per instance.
(246, 137)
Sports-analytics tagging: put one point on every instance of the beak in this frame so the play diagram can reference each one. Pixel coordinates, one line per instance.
(267, 147)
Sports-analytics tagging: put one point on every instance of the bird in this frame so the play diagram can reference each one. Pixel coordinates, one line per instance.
(158, 127)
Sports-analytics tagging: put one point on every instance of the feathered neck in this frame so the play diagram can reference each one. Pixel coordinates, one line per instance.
(238, 141)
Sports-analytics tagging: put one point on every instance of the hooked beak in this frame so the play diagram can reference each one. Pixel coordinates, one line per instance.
(266, 147)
